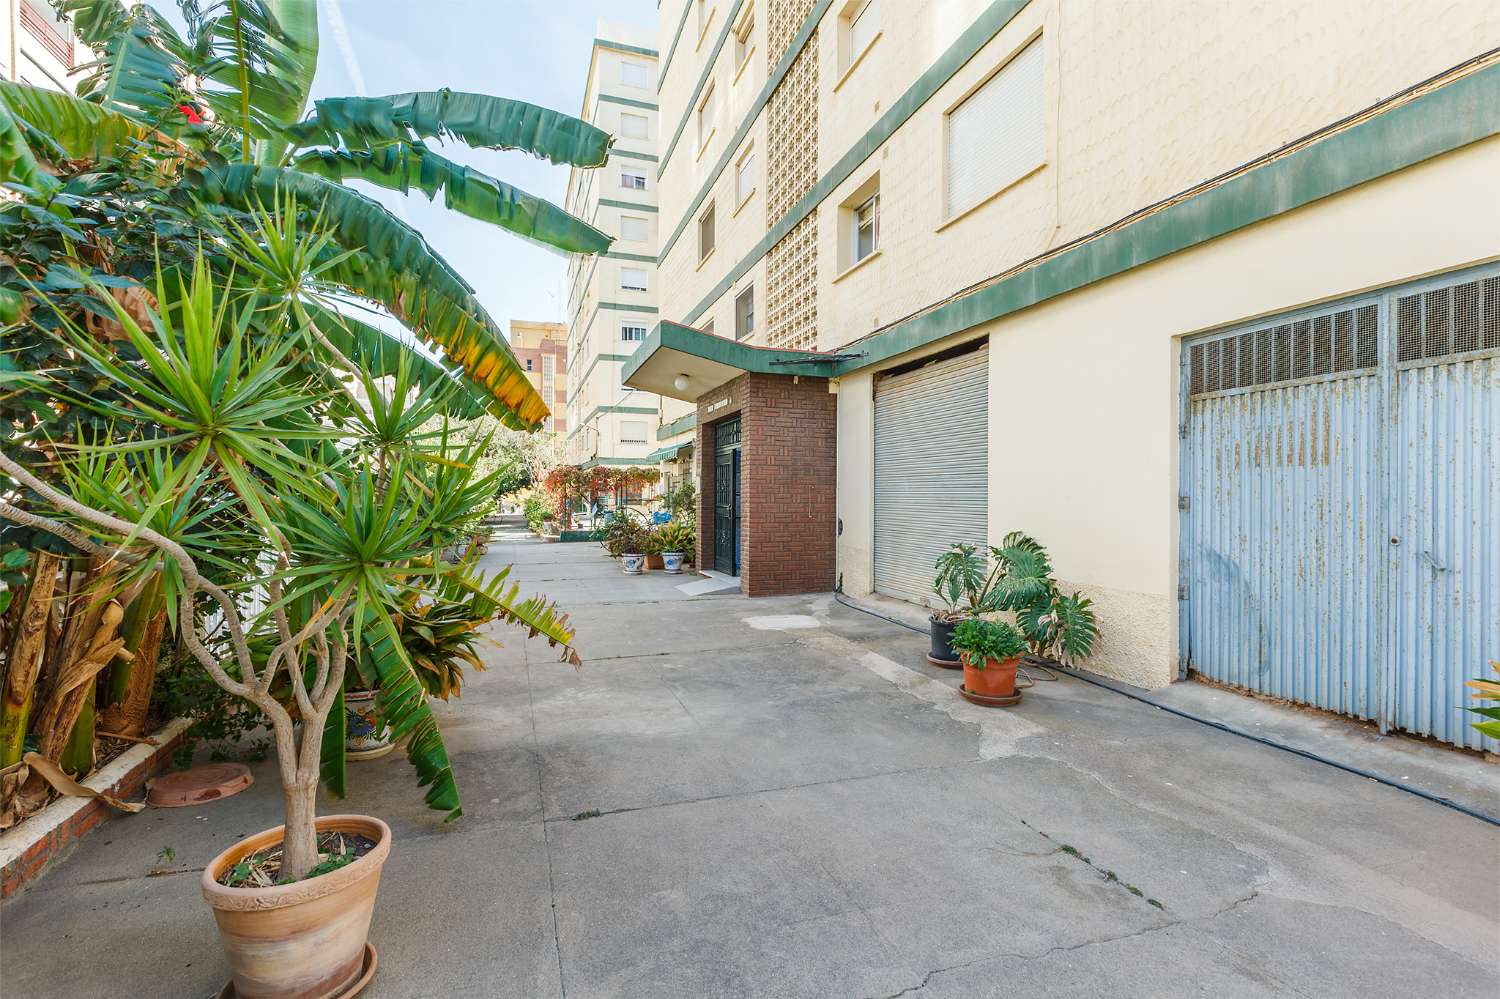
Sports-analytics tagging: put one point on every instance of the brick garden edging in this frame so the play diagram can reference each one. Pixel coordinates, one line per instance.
(27, 849)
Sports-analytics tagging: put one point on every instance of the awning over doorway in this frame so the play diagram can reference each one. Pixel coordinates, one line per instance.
(683, 363)
(669, 452)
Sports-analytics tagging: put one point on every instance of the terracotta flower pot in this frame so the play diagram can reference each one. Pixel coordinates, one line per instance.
(996, 679)
(655, 562)
(304, 940)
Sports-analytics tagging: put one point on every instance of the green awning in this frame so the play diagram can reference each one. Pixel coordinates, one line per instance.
(667, 453)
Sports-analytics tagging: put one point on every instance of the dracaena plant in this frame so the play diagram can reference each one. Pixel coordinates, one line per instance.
(246, 467)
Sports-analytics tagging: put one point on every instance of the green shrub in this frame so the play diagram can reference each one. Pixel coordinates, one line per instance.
(537, 511)
(983, 640)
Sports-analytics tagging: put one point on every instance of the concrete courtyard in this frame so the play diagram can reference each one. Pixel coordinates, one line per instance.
(780, 798)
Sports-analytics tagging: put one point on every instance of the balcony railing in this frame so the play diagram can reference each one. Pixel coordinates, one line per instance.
(44, 29)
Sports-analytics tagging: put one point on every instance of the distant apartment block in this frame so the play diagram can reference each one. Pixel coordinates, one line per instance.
(37, 46)
(542, 349)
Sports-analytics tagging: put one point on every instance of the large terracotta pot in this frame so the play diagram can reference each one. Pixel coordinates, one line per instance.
(304, 940)
(655, 562)
(996, 679)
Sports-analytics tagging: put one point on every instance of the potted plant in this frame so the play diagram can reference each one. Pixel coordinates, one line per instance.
(678, 537)
(1057, 626)
(651, 547)
(960, 585)
(991, 651)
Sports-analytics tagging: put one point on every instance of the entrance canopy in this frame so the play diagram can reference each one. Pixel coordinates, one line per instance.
(684, 363)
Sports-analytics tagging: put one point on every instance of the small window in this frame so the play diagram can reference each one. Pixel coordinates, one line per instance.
(744, 177)
(706, 113)
(528, 364)
(633, 278)
(861, 24)
(633, 126)
(744, 32)
(633, 181)
(998, 134)
(633, 332)
(744, 313)
(636, 230)
(632, 431)
(706, 233)
(635, 74)
(865, 238)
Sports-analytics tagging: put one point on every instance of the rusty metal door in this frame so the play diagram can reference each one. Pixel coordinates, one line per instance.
(1340, 531)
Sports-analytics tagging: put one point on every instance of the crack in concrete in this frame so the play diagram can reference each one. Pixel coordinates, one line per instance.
(562, 982)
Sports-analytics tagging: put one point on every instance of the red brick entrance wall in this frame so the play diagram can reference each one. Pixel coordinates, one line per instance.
(788, 521)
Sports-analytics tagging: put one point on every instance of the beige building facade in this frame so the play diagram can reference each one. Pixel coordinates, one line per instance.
(1048, 212)
(612, 300)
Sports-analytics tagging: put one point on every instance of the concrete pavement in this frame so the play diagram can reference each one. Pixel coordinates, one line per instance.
(790, 802)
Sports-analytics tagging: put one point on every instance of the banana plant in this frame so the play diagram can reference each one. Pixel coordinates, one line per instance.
(221, 109)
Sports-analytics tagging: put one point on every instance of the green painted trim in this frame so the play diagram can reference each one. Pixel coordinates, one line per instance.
(674, 336)
(708, 69)
(747, 122)
(593, 462)
(628, 101)
(632, 156)
(643, 257)
(627, 204)
(671, 49)
(677, 426)
(570, 537)
(601, 357)
(1440, 121)
(622, 47)
(968, 44)
(649, 310)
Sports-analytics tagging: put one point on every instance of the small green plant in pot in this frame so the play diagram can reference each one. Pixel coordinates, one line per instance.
(991, 651)
(678, 538)
(960, 585)
(1056, 626)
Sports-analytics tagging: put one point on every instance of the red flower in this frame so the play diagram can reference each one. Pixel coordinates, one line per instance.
(193, 117)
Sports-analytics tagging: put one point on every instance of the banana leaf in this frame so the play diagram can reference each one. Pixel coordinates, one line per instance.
(331, 762)
(299, 51)
(140, 57)
(479, 120)
(402, 702)
(401, 167)
(77, 129)
(379, 354)
(394, 267)
(17, 164)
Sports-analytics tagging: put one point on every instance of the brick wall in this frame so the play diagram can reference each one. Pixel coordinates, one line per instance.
(788, 522)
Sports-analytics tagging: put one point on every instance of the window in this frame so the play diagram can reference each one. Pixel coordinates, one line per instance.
(632, 431)
(528, 364)
(743, 41)
(998, 134)
(635, 229)
(633, 126)
(634, 181)
(633, 278)
(634, 332)
(861, 24)
(866, 235)
(706, 111)
(744, 177)
(635, 74)
(706, 233)
(549, 378)
(744, 313)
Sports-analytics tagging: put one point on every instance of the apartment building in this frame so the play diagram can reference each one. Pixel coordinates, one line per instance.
(612, 298)
(1204, 297)
(37, 46)
(542, 350)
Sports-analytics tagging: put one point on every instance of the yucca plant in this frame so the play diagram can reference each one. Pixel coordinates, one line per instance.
(349, 532)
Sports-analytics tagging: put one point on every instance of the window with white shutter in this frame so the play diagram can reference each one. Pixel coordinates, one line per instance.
(635, 229)
(633, 126)
(633, 278)
(998, 134)
(635, 74)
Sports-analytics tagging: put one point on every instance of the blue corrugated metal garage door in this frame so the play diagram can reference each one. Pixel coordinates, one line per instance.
(1341, 504)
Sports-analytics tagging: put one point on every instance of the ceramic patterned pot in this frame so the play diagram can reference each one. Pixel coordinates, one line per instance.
(365, 735)
(633, 565)
(672, 561)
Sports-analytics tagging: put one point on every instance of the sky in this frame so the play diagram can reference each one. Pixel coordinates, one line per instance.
(530, 50)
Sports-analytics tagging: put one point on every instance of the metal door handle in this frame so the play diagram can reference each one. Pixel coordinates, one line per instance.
(1433, 563)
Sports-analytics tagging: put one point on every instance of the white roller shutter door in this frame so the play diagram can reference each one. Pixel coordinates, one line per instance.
(931, 469)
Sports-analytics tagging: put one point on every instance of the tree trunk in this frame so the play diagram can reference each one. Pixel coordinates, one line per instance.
(131, 682)
(88, 644)
(24, 660)
(299, 847)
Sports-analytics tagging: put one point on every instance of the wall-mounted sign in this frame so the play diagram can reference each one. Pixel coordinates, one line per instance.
(714, 407)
